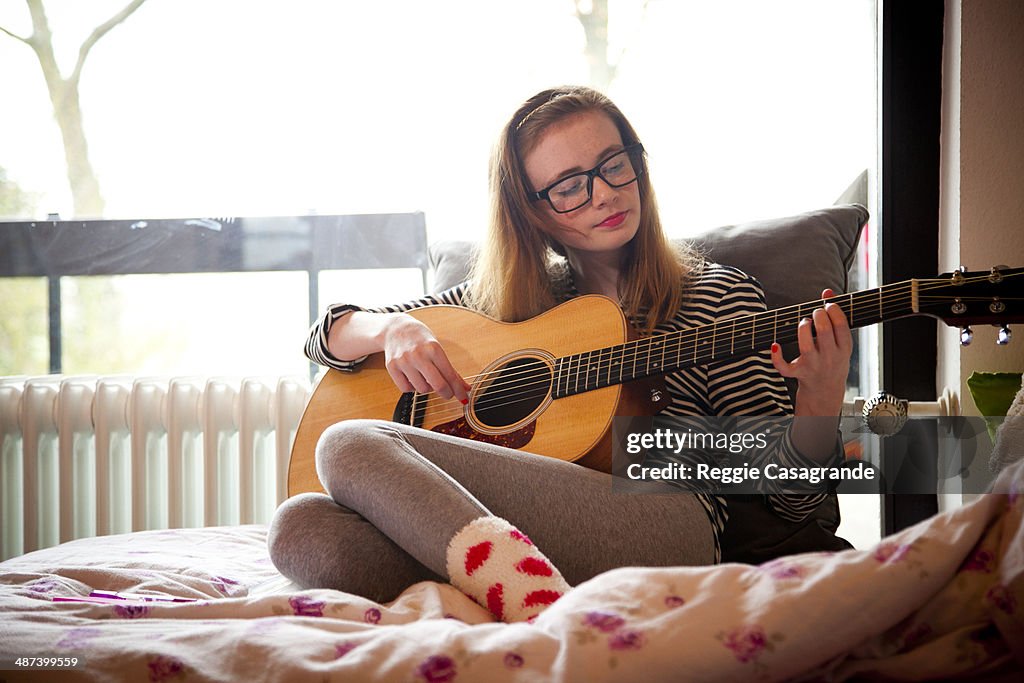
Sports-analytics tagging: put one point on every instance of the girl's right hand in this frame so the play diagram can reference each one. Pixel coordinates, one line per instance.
(416, 362)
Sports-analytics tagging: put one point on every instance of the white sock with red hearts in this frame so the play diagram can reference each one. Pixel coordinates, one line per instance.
(494, 563)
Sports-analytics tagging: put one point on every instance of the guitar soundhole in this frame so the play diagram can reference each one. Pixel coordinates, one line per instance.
(512, 392)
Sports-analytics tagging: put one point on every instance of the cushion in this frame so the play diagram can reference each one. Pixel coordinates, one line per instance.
(794, 258)
(449, 263)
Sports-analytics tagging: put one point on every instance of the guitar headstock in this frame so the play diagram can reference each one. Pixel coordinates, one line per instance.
(963, 298)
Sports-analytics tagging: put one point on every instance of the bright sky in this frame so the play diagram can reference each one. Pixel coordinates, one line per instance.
(749, 109)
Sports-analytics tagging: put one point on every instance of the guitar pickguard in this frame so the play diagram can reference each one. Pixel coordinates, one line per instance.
(514, 439)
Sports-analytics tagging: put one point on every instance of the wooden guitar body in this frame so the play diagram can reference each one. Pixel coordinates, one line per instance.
(490, 354)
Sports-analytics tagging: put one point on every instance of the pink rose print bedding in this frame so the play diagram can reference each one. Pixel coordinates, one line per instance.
(940, 600)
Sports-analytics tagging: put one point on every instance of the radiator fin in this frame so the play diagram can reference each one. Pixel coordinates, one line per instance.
(84, 456)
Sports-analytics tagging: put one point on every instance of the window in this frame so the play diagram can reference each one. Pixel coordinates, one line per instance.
(748, 109)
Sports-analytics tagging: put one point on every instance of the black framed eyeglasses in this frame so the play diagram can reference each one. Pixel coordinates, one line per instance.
(574, 191)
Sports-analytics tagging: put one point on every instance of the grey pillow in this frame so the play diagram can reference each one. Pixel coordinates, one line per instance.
(794, 258)
(449, 263)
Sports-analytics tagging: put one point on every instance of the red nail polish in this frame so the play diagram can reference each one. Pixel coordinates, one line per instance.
(775, 347)
(465, 401)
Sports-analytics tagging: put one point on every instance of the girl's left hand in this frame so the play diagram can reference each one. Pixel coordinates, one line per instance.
(824, 361)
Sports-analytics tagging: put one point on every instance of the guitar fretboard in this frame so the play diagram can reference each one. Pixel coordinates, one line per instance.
(739, 336)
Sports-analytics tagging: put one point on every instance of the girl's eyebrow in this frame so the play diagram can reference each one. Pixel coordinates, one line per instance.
(605, 153)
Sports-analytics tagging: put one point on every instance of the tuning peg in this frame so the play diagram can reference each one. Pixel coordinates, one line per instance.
(966, 336)
(996, 274)
(1003, 336)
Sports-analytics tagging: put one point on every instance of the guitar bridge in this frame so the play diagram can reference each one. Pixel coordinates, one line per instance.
(410, 409)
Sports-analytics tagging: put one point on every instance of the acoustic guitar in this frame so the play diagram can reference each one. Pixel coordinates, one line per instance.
(552, 384)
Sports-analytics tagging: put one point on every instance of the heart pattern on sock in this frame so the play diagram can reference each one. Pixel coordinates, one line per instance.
(541, 597)
(502, 570)
(495, 601)
(534, 566)
(520, 536)
(477, 555)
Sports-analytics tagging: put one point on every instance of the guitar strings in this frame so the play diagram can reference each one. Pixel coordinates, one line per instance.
(871, 299)
(684, 335)
(889, 294)
(878, 298)
(542, 376)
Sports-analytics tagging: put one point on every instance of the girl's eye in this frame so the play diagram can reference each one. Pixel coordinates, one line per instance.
(569, 187)
(614, 168)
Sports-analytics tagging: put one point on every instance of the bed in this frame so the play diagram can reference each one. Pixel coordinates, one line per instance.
(939, 600)
(943, 599)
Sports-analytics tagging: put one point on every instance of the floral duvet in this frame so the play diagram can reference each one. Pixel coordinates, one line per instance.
(942, 599)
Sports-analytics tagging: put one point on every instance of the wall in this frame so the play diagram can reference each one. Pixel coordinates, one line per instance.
(982, 169)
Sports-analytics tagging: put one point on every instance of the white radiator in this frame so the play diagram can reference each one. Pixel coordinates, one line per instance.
(89, 456)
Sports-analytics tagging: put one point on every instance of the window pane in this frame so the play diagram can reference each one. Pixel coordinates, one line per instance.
(203, 324)
(369, 288)
(24, 349)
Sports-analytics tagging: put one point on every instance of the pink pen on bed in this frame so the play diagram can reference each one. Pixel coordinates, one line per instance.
(137, 596)
(114, 598)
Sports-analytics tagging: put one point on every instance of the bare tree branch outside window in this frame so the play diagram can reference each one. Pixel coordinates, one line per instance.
(64, 96)
(593, 16)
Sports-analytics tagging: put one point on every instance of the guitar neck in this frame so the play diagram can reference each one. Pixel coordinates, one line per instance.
(739, 336)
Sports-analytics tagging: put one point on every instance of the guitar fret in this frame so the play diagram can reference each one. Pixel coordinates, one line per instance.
(636, 352)
(633, 359)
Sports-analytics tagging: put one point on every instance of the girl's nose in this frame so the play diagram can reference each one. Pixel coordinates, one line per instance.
(601, 192)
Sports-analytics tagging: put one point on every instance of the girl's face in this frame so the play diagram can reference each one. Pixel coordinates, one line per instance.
(612, 216)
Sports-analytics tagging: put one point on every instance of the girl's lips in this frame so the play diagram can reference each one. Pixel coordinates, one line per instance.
(613, 221)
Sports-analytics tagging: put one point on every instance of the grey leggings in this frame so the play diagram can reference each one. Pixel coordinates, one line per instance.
(398, 494)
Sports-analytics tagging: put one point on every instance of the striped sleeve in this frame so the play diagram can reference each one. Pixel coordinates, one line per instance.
(750, 385)
(316, 342)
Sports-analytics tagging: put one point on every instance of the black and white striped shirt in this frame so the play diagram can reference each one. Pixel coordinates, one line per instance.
(740, 386)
